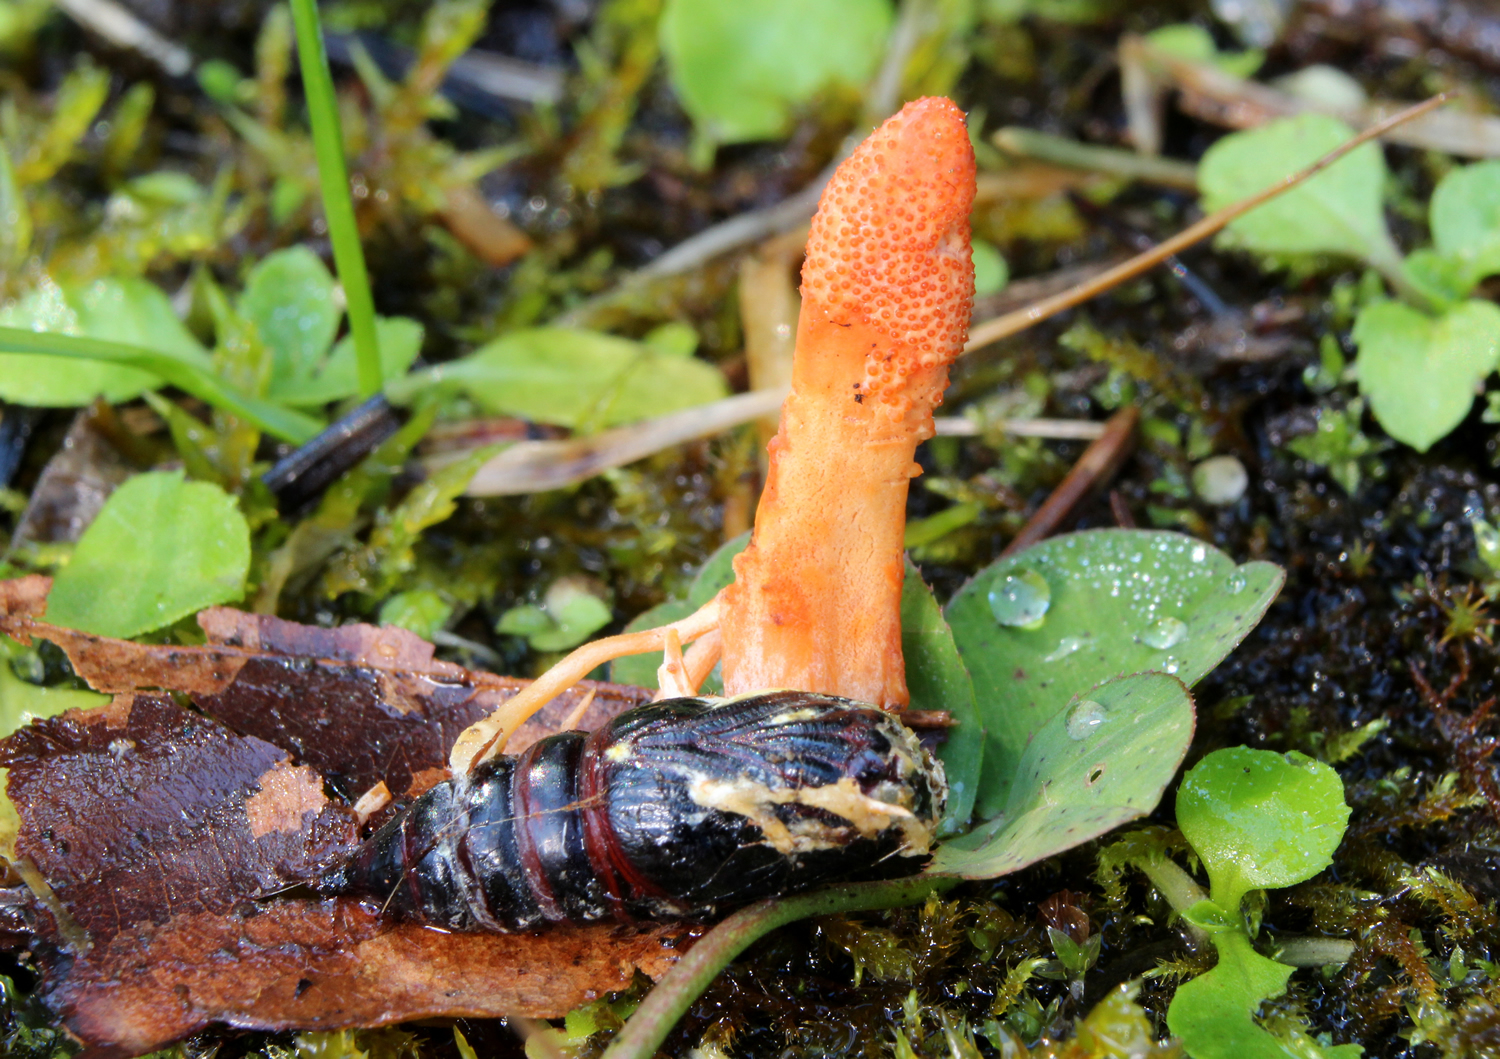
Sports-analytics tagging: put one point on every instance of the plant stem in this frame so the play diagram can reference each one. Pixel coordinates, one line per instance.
(1311, 952)
(1177, 886)
(1113, 161)
(644, 1033)
(338, 207)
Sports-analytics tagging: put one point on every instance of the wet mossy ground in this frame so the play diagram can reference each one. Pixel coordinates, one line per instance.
(1377, 656)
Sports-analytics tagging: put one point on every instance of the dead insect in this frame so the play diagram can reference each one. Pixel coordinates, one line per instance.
(674, 808)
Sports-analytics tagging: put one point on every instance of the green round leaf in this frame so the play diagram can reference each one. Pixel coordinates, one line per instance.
(739, 68)
(937, 680)
(1465, 215)
(1103, 761)
(1420, 373)
(160, 549)
(1212, 1014)
(1336, 212)
(577, 378)
(1259, 819)
(1118, 601)
(289, 298)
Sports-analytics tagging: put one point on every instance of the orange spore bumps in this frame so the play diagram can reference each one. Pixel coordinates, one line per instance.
(886, 289)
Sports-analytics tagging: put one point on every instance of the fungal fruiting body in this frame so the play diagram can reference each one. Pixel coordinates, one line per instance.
(886, 291)
(816, 602)
(677, 807)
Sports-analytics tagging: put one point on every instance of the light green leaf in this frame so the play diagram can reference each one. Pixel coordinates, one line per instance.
(1101, 762)
(740, 68)
(128, 311)
(289, 296)
(21, 701)
(991, 273)
(1188, 40)
(1465, 217)
(1212, 1013)
(400, 340)
(1336, 212)
(1259, 819)
(422, 611)
(573, 378)
(160, 549)
(569, 614)
(937, 680)
(1421, 374)
(716, 574)
(1114, 596)
(1442, 280)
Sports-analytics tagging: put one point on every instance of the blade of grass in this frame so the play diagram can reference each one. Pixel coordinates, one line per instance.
(338, 207)
(272, 419)
(648, 1027)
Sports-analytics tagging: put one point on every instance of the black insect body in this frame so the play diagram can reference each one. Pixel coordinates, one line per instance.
(674, 808)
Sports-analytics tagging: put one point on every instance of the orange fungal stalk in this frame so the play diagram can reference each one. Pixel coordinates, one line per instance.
(816, 602)
(886, 292)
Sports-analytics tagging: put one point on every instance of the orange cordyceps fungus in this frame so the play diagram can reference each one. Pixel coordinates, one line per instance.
(886, 292)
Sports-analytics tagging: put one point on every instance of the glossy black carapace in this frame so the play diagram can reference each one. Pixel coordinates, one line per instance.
(674, 808)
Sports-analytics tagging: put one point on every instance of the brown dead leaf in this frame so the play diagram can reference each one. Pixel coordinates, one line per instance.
(159, 843)
(25, 597)
(358, 703)
(136, 812)
(334, 964)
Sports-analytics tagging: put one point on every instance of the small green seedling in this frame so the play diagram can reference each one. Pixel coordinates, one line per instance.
(568, 614)
(1421, 359)
(1256, 819)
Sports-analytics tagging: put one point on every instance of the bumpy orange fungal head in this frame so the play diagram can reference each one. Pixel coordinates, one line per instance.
(889, 246)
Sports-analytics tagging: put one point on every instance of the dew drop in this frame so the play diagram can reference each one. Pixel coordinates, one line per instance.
(1084, 718)
(1066, 646)
(1020, 600)
(1235, 582)
(1164, 633)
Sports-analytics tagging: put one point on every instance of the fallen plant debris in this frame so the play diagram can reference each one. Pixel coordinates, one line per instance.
(175, 881)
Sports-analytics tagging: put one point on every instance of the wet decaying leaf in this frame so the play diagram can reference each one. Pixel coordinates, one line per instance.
(359, 704)
(159, 844)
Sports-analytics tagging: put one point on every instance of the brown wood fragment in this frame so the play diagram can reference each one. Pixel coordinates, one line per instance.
(1094, 468)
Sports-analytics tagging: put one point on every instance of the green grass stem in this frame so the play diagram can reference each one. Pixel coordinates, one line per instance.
(204, 385)
(338, 206)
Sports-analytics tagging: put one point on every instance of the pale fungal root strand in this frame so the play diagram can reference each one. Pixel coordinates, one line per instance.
(671, 677)
(702, 657)
(485, 739)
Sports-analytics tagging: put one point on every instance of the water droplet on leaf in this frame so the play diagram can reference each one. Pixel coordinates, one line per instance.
(1165, 633)
(1235, 582)
(1066, 646)
(1020, 600)
(1084, 718)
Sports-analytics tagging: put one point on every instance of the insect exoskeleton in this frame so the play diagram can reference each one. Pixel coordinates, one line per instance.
(676, 808)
